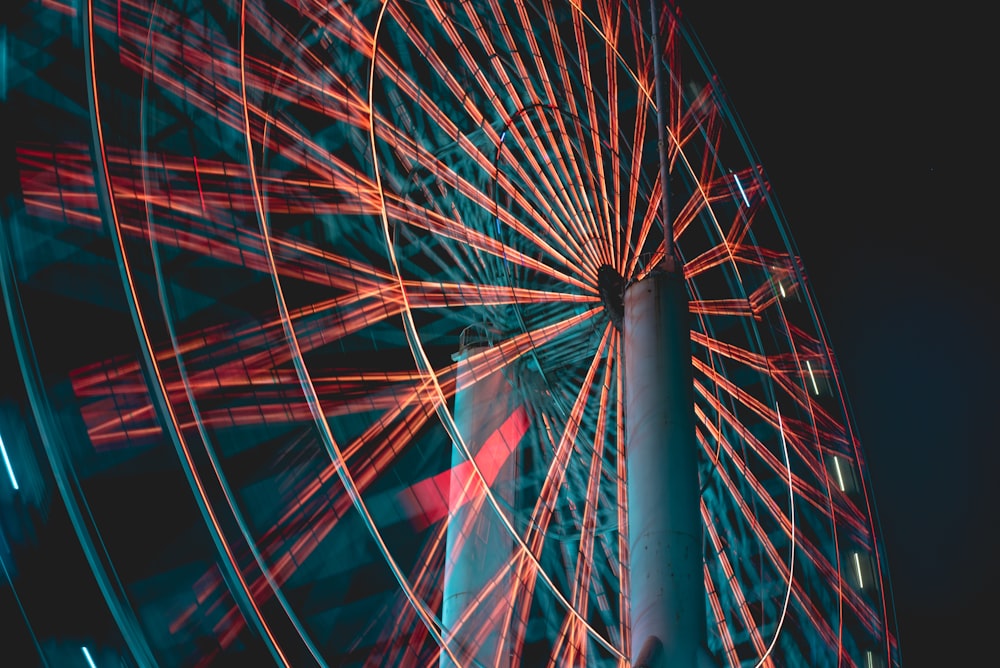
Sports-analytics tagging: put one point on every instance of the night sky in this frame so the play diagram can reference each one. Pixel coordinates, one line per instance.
(876, 126)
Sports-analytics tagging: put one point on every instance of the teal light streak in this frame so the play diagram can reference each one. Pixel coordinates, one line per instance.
(6, 462)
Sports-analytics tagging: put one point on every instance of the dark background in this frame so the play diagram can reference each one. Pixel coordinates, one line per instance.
(875, 123)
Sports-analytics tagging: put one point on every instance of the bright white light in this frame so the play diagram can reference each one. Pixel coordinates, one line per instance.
(870, 660)
(791, 555)
(742, 192)
(840, 476)
(857, 567)
(781, 289)
(812, 377)
(86, 654)
(6, 462)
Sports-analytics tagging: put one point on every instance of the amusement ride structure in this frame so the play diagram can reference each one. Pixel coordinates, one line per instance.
(412, 333)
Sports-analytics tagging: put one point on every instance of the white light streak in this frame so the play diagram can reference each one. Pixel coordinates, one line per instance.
(812, 377)
(857, 567)
(840, 476)
(6, 462)
(90, 661)
(781, 289)
(791, 556)
(742, 192)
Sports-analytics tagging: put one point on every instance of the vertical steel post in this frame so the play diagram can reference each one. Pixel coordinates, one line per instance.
(665, 533)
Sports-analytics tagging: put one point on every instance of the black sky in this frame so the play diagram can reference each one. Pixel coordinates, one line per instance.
(875, 126)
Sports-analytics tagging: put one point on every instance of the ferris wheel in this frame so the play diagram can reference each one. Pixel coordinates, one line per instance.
(350, 302)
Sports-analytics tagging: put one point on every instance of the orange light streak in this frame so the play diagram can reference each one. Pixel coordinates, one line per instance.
(621, 468)
(807, 492)
(611, 25)
(482, 363)
(749, 623)
(529, 27)
(579, 595)
(728, 647)
(816, 616)
(595, 139)
(567, 223)
(542, 513)
(407, 147)
(590, 228)
(796, 434)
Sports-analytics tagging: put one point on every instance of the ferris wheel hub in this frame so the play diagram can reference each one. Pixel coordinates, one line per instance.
(611, 286)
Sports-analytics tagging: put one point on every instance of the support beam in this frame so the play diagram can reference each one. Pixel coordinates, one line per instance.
(665, 532)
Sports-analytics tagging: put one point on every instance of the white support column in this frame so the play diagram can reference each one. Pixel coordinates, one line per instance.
(478, 545)
(665, 530)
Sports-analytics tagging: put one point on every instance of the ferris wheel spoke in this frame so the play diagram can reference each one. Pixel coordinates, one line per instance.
(432, 54)
(569, 89)
(216, 69)
(643, 244)
(763, 412)
(621, 503)
(556, 162)
(480, 364)
(315, 505)
(440, 224)
(631, 251)
(309, 72)
(506, 83)
(751, 192)
(719, 620)
(559, 220)
(830, 572)
(731, 582)
(695, 123)
(579, 595)
(788, 376)
(609, 199)
(567, 216)
(215, 65)
(594, 141)
(475, 73)
(545, 506)
(610, 17)
(777, 562)
(200, 47)
(809, 493)
(553, 214)
(407, 148)
(234, 365)
(426, 294)
(552, 99)
(691, 210)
